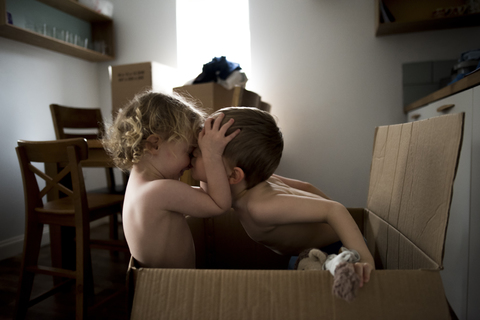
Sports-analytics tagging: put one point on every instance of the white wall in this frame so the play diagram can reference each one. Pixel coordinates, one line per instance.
(329, 80)
(144, 31)
(32, 78)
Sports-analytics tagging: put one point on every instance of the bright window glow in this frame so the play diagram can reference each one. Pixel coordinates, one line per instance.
(212, 28)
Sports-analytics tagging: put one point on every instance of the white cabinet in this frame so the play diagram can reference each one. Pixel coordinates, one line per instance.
(461, 275)
(474, 257)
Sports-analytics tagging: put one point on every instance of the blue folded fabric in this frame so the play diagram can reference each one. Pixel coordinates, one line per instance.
(219, 67)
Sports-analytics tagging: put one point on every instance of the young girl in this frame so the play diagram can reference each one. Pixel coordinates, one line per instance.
(153, 137)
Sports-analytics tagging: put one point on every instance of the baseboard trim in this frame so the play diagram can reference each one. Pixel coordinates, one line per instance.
(14, 246)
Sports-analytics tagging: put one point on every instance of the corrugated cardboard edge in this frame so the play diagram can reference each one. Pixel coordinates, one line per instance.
(131, 274)
(454, 177)
(379, 241)
(273, 294)
(412, 256)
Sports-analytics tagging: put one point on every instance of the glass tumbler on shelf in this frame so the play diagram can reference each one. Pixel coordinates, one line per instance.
(59, 34)
(100, 46)
(48, 30)
(30, 25)
(79, 41)
(41, 28)
(70, 37)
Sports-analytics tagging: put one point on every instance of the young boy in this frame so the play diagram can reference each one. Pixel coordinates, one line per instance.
(285, 215)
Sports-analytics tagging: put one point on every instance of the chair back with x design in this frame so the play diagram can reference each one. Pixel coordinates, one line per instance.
(76, 210)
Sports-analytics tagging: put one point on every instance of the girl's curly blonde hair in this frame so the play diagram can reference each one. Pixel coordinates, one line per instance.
(170, 117)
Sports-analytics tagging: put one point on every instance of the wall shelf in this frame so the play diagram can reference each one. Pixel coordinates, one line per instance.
(416, 16)
(76, 9)
(102, 29)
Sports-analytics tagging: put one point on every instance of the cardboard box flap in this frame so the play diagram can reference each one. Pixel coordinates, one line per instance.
(391, 249)
(273, 294)
(411, 183)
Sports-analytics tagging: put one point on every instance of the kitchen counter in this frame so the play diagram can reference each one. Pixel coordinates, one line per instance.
(469, 81)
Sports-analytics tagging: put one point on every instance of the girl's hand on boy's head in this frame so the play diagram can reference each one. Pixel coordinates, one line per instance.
(363, 269)
(212, 139)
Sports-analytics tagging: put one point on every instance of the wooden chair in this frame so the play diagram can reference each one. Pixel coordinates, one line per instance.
(75, 210)
(70, 122)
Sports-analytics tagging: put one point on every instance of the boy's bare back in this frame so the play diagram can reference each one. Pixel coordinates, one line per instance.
(283, 238)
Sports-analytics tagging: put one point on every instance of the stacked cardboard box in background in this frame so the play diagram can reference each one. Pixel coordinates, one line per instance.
(129, 79)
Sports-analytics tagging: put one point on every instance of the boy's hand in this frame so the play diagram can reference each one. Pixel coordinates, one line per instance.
(212, 139)
(363, 269)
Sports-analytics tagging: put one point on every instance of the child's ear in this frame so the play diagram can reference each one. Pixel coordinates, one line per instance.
(236, 176)
(153, 142)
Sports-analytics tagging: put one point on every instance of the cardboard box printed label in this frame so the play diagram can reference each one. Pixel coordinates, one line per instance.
(411, 181)
(129, 79)
(130, 76)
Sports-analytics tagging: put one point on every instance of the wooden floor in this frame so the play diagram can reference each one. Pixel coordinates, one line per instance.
(109, 272)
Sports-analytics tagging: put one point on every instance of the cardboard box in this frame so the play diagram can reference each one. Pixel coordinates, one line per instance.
(129, 79)
(412, 173)
(212, 96)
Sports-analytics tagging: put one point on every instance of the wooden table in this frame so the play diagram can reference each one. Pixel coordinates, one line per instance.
(97, 156)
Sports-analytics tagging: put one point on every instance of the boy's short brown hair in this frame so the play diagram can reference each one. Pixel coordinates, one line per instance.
(257, 149)
(168, 116)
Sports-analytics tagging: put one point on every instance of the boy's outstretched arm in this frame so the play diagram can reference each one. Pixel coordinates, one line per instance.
(301, 185)
(349, 233)
(286, 209)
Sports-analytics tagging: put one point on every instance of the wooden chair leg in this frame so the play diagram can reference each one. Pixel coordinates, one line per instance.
(62, 249)
(113, 219)
(31, 249)
(56, 250)
(81, 309)
(84, 288)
